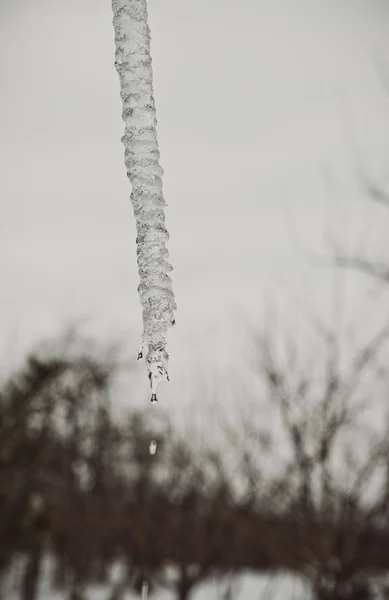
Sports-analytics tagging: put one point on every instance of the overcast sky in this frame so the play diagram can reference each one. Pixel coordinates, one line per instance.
(254, 101)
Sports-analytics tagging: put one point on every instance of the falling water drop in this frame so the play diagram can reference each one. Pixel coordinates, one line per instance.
(152, 447)
(145, 590)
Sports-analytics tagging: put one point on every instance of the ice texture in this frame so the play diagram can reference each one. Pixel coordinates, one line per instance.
(133, 64)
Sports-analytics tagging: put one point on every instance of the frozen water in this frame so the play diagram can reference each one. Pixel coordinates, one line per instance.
(153, 447)
(133, 64)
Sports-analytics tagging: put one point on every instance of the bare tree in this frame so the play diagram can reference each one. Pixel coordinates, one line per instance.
(373, 189)
(326, 487)
(34, 469)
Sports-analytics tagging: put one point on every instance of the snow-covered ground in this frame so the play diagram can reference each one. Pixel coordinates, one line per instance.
(247, 586)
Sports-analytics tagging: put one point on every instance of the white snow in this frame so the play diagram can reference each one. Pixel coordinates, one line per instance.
(246, 586)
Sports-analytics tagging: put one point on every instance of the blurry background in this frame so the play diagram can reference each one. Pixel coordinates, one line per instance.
(273, 125)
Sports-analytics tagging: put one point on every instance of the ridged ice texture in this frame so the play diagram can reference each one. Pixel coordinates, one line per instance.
(133, 64)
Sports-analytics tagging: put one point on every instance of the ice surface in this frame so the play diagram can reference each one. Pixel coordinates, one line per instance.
(133, 64)
(152, 447)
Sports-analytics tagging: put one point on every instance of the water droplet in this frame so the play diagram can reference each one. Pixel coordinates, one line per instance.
(153, 447)
(145, 590)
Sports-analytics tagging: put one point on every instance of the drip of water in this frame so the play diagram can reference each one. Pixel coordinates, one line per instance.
(145, 590)
(152, 447)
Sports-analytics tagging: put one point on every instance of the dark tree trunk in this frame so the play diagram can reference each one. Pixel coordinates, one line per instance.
(183, 590)
(60, 573)
(31, 574)
(184, 585)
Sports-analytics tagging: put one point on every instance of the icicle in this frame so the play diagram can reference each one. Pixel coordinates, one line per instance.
(133, 64)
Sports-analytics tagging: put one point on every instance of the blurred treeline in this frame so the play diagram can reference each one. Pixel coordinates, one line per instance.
(308, 496)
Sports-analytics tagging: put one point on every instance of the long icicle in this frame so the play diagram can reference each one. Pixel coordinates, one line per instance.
(133, 64)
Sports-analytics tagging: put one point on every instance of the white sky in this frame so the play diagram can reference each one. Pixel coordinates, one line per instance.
(250, 99)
